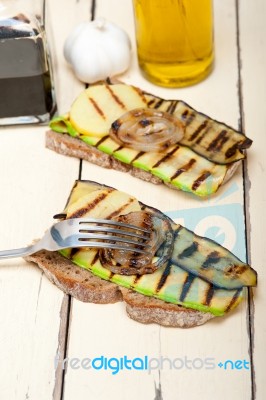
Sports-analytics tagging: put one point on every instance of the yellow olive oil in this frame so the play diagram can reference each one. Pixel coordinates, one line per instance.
(174, 40)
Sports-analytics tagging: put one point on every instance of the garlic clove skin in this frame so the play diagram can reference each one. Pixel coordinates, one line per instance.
(97, 50)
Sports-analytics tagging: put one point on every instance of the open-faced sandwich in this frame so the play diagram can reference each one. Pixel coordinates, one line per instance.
(162, 141)
(186, 280)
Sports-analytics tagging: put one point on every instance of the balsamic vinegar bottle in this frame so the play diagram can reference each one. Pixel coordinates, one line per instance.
(26, 88)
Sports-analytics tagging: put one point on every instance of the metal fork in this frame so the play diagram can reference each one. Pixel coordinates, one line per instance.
(88, 232)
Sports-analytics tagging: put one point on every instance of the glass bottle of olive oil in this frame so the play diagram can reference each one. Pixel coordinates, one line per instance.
(174, 40)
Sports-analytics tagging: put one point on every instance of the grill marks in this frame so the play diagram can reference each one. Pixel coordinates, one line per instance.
(95, 258)
(119, 148)
(196, 184)
(189, 251)
(211, 259)
(120, 210)
(188, 117)
(185, 168)
(245, 144)
(166, 157)
(186, 287)
(198, 131)
(231, 151)
(158, 103)
(234, 300)
(90, 206)
(115, 97)
(171, 108)
(97, 107)
(151, 103)
(101, 198)
(73, 251)
(136, 279)
(219, 141)
(207, 131)
(164, 277)
(138, 156)
(209, 295)
(102, 140)
(140, 93)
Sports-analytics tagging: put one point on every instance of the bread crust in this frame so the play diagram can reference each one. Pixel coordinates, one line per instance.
(75, 147)
(149, 310)
(86, 287)
(73, 280)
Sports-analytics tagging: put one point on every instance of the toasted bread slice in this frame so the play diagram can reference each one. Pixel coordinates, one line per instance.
(84, 286)
(205, 157)
(180, 294)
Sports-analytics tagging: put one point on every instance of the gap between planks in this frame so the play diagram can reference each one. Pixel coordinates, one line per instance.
(65, 312)
(62, 348)
(246, 194)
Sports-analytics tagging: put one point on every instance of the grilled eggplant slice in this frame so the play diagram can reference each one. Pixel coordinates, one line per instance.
(181, 279)
(211, 139)
(205, 258)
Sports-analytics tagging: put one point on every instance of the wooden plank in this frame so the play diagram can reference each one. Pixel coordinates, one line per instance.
(30, 305)
(104, 330)
(35, 183)
(253, 61)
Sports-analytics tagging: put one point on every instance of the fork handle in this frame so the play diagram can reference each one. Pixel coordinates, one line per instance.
(12, 253)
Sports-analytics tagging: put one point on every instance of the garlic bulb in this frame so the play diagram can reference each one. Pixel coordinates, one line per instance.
(97, 50)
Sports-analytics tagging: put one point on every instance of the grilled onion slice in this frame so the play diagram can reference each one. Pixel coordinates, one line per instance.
(160, 242)
(146, 129)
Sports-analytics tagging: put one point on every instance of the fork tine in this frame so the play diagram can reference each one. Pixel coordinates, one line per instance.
(107, 245)
(88, 236)
(97, 221)
(112, 230)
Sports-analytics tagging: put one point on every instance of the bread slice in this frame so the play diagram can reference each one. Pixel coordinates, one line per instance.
(75, 147)
(84, 286)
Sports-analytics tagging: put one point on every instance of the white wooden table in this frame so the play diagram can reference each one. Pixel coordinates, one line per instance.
(39, 324)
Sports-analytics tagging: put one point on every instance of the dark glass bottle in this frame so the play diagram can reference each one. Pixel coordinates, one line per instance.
(26, 89)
